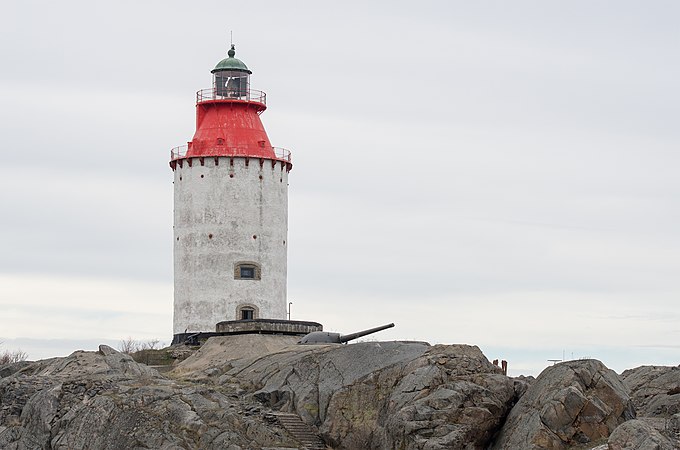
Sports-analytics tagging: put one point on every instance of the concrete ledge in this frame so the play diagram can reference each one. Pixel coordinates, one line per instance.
(268, 326)
(254, 326)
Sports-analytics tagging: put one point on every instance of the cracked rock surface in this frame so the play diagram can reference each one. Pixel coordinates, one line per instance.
(655, 390)
(105, 400)
(571, 403)
(372, 395)
(638, 435)
(406, 395)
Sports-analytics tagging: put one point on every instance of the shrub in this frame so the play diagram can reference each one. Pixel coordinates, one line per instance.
(130, 345)
(14, 356)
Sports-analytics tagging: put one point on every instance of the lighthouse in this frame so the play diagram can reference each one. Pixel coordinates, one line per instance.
(230, 211)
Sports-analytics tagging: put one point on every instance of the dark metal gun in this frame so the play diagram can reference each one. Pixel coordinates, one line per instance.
(323, 337)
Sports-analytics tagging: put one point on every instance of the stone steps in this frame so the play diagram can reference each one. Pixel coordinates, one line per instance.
(304, 433)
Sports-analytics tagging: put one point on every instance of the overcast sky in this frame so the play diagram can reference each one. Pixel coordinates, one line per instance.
(503, 174)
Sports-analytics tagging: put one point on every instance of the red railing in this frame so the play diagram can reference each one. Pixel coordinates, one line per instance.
(181, 152)
(250, 95)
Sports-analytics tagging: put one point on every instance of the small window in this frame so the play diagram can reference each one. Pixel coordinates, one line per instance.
(247, 311)
(247, 270)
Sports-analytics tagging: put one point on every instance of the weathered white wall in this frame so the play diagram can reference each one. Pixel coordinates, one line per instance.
(254, 202)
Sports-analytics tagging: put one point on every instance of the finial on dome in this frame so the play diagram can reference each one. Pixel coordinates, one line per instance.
(231, 63)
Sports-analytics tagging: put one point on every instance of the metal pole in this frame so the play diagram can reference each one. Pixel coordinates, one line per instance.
(289, 303)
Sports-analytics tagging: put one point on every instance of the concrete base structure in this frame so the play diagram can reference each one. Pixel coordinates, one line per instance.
(256, 326)
(268, 326)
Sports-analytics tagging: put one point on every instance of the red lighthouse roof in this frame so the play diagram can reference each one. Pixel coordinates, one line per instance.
(228, 117)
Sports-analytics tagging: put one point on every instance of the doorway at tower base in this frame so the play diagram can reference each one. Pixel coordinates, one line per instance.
(252, 326)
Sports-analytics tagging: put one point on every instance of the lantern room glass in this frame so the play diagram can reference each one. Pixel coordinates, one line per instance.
(231, 84)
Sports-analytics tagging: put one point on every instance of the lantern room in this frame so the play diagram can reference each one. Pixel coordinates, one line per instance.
(231, 77)
(227, 118)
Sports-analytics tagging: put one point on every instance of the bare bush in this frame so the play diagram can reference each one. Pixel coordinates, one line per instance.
(13, 356)
(149, 345)
(130, 345)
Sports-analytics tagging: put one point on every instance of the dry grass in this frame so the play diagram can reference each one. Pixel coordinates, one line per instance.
(12, 356)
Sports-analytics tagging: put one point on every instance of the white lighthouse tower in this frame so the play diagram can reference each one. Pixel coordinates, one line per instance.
(231, 210)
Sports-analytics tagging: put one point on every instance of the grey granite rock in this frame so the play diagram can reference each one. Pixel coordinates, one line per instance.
(655, 390)
(386, 394)
(571, 403)
(638, 435)
(405, 395)
(105, 400)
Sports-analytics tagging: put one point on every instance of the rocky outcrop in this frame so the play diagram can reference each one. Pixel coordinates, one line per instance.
(638, 435)
(571, 403)
(9, 369)
(655, 390)
(388, 394)
(450, 397)
(105, 400)
(253, 391)
(377, 394)
(218, 353)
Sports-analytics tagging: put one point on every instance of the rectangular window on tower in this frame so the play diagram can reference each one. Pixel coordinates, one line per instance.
(247, 314)
(247, 272)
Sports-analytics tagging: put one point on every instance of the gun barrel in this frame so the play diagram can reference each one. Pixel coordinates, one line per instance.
(358, 334)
